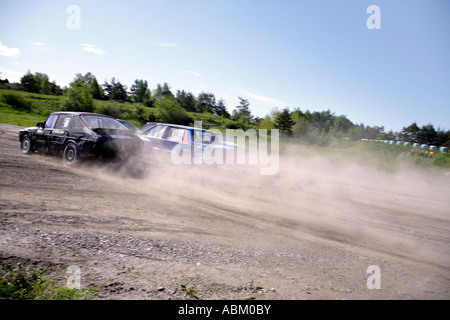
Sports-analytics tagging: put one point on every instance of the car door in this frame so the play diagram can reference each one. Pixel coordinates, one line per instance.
(43, 134)
(60, 133)
(153, 137)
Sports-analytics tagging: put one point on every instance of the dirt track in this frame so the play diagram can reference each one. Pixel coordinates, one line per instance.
(309, 232)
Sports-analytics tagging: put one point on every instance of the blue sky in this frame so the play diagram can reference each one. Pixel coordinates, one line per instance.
(315, 55)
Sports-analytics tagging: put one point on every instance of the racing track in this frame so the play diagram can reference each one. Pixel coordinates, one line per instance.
(309, 232)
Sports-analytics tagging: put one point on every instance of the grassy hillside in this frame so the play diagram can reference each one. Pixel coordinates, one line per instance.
(25, 109)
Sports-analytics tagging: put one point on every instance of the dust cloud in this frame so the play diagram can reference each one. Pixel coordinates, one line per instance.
(337, 196)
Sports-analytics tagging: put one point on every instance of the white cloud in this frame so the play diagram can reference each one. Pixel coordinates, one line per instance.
(167, 44)
(196, 74)
(8, 52)
(39, 44)
(91, 48)
(247, 94)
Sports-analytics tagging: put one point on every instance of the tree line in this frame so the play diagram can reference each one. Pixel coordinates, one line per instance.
(173, 107)
(316, 127)
(426, 134)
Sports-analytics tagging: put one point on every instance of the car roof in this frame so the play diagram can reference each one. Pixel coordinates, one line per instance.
(79, 113)
(178, 126)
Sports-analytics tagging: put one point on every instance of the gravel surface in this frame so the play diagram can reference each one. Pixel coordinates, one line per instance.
(309, 232)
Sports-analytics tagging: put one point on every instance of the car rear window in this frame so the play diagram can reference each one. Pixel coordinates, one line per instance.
(156, 132)
(176, 135)
(98, 122)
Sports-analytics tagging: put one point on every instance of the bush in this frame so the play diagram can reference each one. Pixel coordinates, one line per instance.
(16, 101)
(170, 111)
(109, 109)
(142, 114)
(442, 160)
(32, 283)
(20, 283)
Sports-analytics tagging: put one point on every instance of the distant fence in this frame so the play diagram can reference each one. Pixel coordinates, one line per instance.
(407, 143)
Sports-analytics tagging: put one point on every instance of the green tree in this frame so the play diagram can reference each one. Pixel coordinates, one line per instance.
(86, 79)
(186, 100)
(372, 132)
(79, 78)
(267, 123)
(427, 135)
(139, 91)
(284, 122)
(162, 91)
(116, 90)
(221, 109)
(95, 89)
(28, 82)
(170, 111)
(300, 128)
(410, 133)
(242, 110)
(91, 83)
(342, 124)
(206, 102)
(357, 132)
(148, 100)
(39, 83)
(443, 138)
(78, 98)
(56, 89)
(320, 120)
(43, 84)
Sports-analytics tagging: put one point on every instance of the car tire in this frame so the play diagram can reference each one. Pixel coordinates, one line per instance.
(70, 155)
(25, 145)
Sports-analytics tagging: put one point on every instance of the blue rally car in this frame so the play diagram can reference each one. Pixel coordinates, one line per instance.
(187, 144)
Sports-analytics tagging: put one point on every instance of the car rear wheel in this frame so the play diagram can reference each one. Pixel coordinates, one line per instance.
(70, 155)
(25, 145)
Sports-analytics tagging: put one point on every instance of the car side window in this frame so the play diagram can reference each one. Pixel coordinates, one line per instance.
(175, 134)
(64, 122)
(207, 137)
(112, 124)
(51, 120)
(102, 122)
(203, 137)
(156, 132)
(197, 136)
(77, 123)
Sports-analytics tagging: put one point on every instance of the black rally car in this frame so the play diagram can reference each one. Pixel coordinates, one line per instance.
(79, 135)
